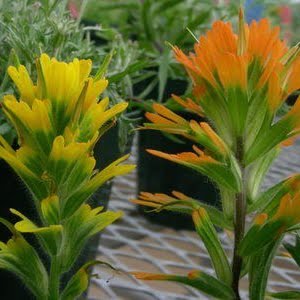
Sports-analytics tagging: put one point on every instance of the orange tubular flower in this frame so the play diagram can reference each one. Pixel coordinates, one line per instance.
(223, 59)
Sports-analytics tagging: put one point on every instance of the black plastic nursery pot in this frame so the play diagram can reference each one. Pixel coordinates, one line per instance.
(156, 175)
(14, 194)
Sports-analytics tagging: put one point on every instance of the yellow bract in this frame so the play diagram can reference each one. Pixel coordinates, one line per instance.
(58, 120)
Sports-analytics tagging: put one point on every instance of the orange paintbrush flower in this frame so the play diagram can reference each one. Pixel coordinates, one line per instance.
(251, 60)
(241, 80)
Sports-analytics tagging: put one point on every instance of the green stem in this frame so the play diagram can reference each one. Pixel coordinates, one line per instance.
(239, 225)
(54, 280)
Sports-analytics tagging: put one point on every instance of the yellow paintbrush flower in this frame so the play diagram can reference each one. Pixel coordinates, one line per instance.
(58, 120)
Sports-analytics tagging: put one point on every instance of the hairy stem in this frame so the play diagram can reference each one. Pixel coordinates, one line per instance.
(54, 279)
(239, 224)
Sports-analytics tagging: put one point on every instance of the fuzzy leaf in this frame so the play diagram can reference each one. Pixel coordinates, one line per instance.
(267, 140)
(257, 173)
(237, 101)
(78, 283)
(50, 236)
(50, 209)
(20, 258)
(76, 199)
(209, 236)
(269, 200)
(182, 203)
(223, 174)
(294, 250)
(260, 265)
(196, 279)
(260, 236)
(286, 295)
(80, 227)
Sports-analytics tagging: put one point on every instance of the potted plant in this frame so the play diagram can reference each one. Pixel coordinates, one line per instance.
(240, 87)
(59, 119)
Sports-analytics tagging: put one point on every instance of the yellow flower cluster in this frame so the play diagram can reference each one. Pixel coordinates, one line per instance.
(58, 121)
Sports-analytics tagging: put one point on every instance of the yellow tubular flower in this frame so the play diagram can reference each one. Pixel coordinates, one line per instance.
(58, 119)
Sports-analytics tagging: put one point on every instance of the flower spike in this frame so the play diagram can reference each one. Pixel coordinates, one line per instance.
(59, 119)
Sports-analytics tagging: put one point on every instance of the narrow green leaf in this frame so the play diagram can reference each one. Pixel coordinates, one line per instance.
(19, 257)
(209, 236)
(79, 282)
(104, 66)
(286, 295)
(196, 279)
(165, 5)
(163, 73)
(257, 171)
(80, 227)
(75, 200)
(50, 209)
(228, 203)
(260, 265)
(147, 14)
(237, 101)
(294, 250)
(269, 200)
(135, 67)
(268, 139)
(259, 237)
(192, 25)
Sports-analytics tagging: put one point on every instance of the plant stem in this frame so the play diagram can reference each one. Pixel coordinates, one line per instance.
(54, 279)
(239, 225)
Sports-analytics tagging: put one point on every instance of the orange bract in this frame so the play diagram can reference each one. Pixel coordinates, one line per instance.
(157, 200)
(289, 208)
(189, 157)
(222, 59)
